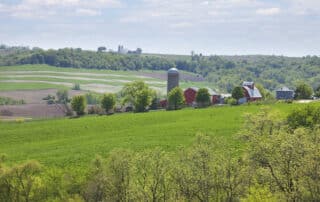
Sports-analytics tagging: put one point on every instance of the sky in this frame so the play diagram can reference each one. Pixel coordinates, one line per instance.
(210, 27)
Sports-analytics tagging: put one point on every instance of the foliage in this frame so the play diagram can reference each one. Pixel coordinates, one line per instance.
(266, 94)
(137, 94)
(10, 101)
(93, 98)
(317, 92)
(62, 96)
(108, 102)
(76, 86)
(237, 93)
(203, 97)
(79, 104)
(308, 117)
(175, 99)
(231, 101)
(303, 91)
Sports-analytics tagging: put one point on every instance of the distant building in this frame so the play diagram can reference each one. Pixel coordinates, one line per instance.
(173, 79)
(251, 93)
(122, 50)
(284, 93)
(190, 96)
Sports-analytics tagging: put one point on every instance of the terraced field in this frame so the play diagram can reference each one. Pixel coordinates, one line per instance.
(43, 77)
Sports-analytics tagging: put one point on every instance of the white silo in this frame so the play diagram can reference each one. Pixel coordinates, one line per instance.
(173, 79)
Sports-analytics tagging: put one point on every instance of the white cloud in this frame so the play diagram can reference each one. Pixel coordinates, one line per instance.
(87, 12)
(268, 11)
(48, 8)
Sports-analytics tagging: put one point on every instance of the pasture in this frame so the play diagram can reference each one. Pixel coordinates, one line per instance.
(75, 142)
(32, 77)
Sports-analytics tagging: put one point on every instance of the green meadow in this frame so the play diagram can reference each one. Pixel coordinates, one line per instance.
(75, 142)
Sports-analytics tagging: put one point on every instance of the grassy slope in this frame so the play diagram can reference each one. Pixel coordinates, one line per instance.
(71, 142)
(111, 77)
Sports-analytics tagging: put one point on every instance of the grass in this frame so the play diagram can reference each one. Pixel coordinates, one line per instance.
(47, 74)
(75, 142)
(5, 86)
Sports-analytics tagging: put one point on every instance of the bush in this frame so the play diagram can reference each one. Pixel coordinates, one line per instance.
(78, 104)
(175, 99)
(203, 97)
(231, 101)
(95, 109)
(76, 87)
(108, 102)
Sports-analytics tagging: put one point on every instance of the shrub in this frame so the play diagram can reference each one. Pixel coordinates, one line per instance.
(78, 104)
(76, 86)
(175, 99)
(232, 101)
(203, 97)
(95, 109)
(108, 102)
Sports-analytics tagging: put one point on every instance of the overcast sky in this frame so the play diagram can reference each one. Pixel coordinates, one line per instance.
(228, 27)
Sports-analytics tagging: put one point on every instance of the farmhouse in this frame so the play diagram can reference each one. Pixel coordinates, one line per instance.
(190, 95)
(284, 93)
(251, 93)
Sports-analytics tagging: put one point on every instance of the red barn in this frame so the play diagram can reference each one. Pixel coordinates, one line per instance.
(190, 96)
(251, 92)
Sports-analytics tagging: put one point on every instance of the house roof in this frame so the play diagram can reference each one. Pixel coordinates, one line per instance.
(211, 92)
(253, 93)
(247, 83)
(284, 88)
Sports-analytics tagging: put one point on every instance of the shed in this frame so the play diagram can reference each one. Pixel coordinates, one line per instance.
(284, 93)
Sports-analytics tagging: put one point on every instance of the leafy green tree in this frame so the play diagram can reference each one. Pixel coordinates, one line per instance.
(303, 91)
(203, 97)
(266, 94)
(108, 101)
(62, 96)
(237, 93)
(317, 92)
(78, 104)
(175, 99)
(138, 94)
(307, 117)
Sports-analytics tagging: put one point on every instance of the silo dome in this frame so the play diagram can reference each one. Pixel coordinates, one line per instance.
(173, 71)
(173, 79)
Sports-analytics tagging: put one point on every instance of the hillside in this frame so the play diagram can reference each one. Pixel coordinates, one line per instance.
(223, 72)
(75, 142)
(33, 77)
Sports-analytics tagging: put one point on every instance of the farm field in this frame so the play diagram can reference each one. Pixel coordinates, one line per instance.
(75, 142)
(30, 77)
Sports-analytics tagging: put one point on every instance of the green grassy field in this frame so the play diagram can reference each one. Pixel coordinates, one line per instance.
(43, 76)
(75, 142)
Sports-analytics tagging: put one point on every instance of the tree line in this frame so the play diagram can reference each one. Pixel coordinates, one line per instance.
(279, 161)
(224, 72)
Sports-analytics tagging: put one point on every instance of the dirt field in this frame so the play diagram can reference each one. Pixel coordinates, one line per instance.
(31, 111)
(35, 96)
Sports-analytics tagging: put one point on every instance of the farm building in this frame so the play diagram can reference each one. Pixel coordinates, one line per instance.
(190, 96)
(284, 93)
(251, 93)
(173, 79)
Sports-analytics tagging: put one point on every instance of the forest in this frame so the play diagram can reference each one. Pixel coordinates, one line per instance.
(225, 72)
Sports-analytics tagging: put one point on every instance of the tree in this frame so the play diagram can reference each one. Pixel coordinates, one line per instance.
(203, 97)
(108, 101)
(78, 104)
(237, 93)
(303, 91)
(102, 49)
(266, 95)
(62, 96)
(175, 99)
(317, 92)
(138, 94)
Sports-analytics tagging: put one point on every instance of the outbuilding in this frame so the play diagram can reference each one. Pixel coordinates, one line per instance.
(191, 93)
(284, 93)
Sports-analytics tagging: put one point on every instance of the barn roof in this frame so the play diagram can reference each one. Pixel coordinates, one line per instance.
(253, 93)
(211, 92)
